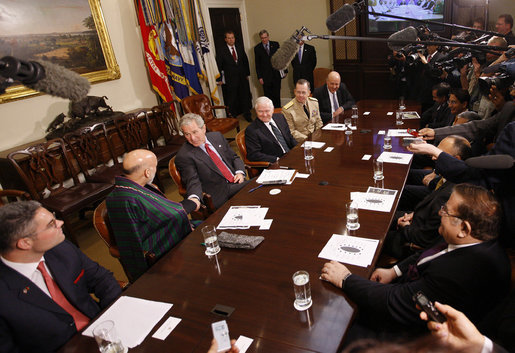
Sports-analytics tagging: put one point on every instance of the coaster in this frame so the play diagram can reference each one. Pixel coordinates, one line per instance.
(275, 191)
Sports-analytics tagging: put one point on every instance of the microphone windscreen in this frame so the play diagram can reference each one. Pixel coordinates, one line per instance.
(340, 18)
(285, 54)
(494, 161)
(61, 82)
(409, 34)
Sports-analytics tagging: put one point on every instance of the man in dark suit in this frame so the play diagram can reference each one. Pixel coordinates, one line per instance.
(268, 137)
(469, 270)
(269, 77)
(234, 64)
(439, 114)
(207, 163)
(333, 97)
(304, 65)
(45, 281)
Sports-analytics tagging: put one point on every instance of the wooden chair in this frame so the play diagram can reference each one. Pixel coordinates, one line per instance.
(50, 178)
(201, 105)
(10, 194)
(253, 168)
(103, 228)
(206, 208)
(319, 77)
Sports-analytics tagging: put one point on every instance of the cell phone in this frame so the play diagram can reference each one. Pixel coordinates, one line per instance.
(406, 141)
(221, 335)
(425, 304)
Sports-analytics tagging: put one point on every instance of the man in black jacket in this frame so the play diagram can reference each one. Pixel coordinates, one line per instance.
(333, 97)
(304, 64)
(268, 77)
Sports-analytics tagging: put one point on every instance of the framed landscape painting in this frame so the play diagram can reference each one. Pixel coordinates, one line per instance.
(70, 33)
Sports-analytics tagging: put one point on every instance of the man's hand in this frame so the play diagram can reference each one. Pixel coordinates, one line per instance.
(427, 133)
(334, 272)
(383, 275)
(261, 81)
(425, 148)
(214, 347)
(405, 220)
(458, 332)
(337, 112)
(427, 179)
(197, 202)
(238, 178)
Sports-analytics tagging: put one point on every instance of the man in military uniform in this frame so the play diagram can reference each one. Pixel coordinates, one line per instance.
(302, 113)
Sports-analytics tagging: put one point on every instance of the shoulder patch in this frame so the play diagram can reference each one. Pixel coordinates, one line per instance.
(313, 99)
(288, 105)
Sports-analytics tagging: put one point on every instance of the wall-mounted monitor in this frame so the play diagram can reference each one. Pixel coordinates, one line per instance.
(432, 10)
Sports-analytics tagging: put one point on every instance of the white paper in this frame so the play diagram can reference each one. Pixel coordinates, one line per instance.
(366, 113)
(243, 217)
(381, 132)
(389, 113)
(134, 318)
(350, 250)
(395, 157)
(266, 224)
(315, 144)
(243, 343)
(329, 149)
(275, 175)
(399, 133)
(169, 325)
(410, 115)
(333, 126)
(366, 157)
(375, 199)
(302, 175)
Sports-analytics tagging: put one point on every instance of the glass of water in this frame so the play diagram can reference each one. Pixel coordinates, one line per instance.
(352, 216)
(308, 150)
(387, 142)
(402, 106)
(211, 240)
(302, 290)
(398, 118)
(378, 169)
(355, 113)
(348, 125)
(107, 338)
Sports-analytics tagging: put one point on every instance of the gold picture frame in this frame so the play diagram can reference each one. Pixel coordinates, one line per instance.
(111, 69)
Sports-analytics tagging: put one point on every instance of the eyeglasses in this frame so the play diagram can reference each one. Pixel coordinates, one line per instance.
(445, 212)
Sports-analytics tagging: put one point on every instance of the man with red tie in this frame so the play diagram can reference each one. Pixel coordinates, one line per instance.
(45, 281)
(207, 163)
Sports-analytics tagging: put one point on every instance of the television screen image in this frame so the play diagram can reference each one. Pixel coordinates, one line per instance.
(432, 10)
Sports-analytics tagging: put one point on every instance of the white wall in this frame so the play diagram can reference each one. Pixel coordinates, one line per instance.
(25, 120)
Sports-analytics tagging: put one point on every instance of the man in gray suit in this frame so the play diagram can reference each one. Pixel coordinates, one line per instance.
(207, 163)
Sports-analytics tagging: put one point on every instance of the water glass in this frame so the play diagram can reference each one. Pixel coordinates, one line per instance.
(398, 118)
(308, 150)
(302, 290)
(352, 216)
(378, 169)
(107, 338)
(401, 104)
(387, 142)
(348, 125)
(211, 240)
(355, 112)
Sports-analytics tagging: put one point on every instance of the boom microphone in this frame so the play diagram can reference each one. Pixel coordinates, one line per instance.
(408, 34)
(340, 18)
(285, 54)
(494, 161)
(46, 77)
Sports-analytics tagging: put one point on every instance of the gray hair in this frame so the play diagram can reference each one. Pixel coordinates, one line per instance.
(16, 222)
(187, 119)
(263, 31)
(264, 101)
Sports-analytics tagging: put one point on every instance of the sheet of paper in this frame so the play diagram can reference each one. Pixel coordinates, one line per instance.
(375, 199)
(381, 132)
(315, 144)
(243, 217)
(275, 175)
(399, 133)
(266, 224)
(302, 175)
(169, 325)
(329, 149)
(243, 343)
(333, 126)
(350, 250)
(134, 318)
(389, 113)
(366, 113)
(410, 115)
(395, 157)
(366, 157)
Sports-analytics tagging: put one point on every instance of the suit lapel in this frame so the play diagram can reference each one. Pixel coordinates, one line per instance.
(267, 132)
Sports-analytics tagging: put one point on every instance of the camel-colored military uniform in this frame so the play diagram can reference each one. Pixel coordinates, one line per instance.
(300, 125)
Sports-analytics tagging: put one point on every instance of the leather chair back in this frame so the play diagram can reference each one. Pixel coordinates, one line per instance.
(200, 105)
(319, 77)
(103, 228)
(174, 173)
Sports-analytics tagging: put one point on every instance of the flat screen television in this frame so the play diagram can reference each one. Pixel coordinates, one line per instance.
(432, 10)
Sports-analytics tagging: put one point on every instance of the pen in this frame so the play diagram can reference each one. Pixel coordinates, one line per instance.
(257, 187)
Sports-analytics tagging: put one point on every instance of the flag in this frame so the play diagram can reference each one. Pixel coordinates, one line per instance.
(173, 61)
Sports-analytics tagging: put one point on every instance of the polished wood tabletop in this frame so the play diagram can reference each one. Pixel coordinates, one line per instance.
(258, 283)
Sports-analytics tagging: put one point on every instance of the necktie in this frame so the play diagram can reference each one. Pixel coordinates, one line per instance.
(267, 49)
(220, 164)
(335, 102)
(300, 55)
(306, 111)
(80, 319)
(280, 137)
(413, 269)
(234, 55)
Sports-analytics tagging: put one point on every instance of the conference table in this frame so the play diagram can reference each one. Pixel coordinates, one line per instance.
(258, 283)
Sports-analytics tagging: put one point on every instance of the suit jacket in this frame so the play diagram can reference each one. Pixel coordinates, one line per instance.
(262, 144)
(305, 68)
(300, 125)
(30, 321)
(234, 72)
(199, 172)
(439, 115)
(345, 100)
(264, 68)
(470, 279)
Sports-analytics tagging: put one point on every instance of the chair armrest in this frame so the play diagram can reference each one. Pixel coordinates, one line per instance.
(258, 164)
(15, 193)
(222, 107)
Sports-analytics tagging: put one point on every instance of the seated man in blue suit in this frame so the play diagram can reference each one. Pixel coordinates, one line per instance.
(45, 282)
(333, 97)
(268, 137)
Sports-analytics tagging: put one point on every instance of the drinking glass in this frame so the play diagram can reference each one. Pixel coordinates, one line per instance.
(378, 169)
(398, 118)
(355, 112)
(401, 103)
(348, 124)
(302, 290)
(308, 150)
(211, 240)
(352, 216)
(387, 142)
(107, 338)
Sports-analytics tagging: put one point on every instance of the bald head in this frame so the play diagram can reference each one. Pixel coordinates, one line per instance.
(333, 81)
(140, 166)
